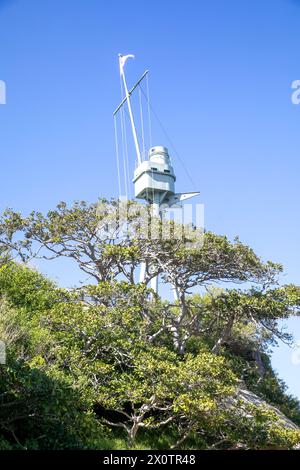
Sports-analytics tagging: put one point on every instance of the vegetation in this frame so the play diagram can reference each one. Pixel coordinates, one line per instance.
(112, 365)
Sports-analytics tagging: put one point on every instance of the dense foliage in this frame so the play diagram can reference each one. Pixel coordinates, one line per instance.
(112, 365)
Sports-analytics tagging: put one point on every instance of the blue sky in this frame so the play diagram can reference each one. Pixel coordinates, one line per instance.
(220, 81)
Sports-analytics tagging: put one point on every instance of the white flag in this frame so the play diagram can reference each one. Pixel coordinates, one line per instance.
(122, 60)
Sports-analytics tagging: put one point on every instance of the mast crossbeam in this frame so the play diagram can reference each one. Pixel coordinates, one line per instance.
(130, 92)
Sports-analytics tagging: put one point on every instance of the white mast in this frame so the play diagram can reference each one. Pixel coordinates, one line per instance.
(122, 60)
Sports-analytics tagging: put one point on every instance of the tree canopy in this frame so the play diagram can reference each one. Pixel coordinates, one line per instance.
(110, 364)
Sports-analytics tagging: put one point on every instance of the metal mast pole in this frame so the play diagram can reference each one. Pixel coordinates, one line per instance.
(161, 185)
(122, 60)
(156, 212)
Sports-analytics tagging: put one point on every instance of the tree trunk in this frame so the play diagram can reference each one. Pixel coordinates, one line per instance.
(224, 336)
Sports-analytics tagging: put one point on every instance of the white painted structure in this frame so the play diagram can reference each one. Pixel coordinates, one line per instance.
(154, 179)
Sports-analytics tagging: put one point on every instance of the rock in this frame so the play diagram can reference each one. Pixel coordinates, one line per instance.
(249, 397)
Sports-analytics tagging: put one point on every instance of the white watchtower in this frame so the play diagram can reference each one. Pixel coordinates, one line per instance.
(154, 179)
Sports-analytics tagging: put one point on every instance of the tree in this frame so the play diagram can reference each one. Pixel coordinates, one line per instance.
(132, 360)
(39, 408)
(93, 236)
(261, 308)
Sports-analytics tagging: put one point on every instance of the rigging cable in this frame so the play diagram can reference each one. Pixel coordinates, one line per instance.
(123, 130)
(125, 144)
(127, 159)
(123, 153)
(117, 154)
(122, 138)
(149, 113)
(169, 139)
(142, 122)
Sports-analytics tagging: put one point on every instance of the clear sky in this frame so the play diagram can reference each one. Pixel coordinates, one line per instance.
(221, 74)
